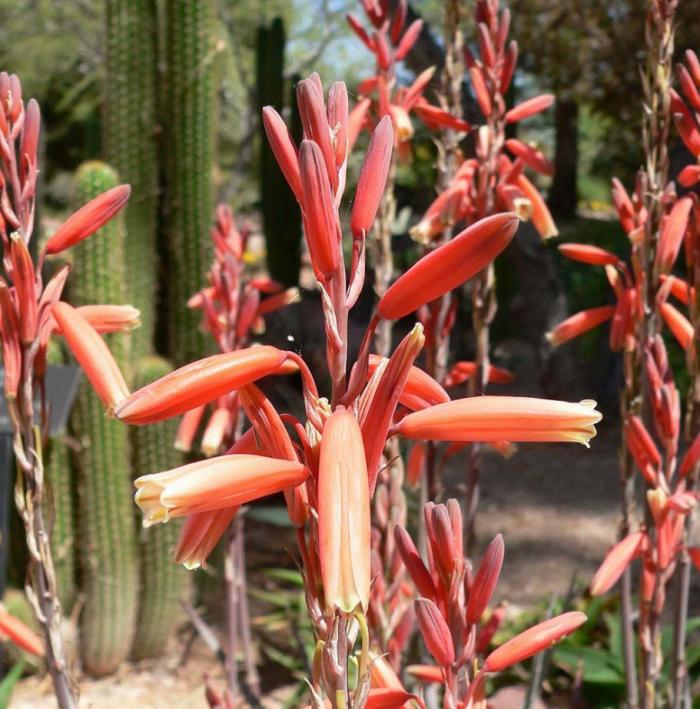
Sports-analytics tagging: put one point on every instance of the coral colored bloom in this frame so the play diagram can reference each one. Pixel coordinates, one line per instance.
(283, 148)
(187, 430)
(24, 279)
(615, 563)
(343, 514)
(586, 253)
(199, 535)
(540, 217)
(92, 354)
(448, 266)
(88, 219)
(530, 107)
(382, 675)
(428, 674)
(679, 288)
(678, 324)
(199, 383)
(463, 371)
(388, 698)
(579, 323)
(530, 156)
(485, 580)
(414, 564)
(109, 318)
(415, 465)
(370, 186)
(435, 632)
(534, 640)
(673, 229)
(216, 430)
(213, 484)
(320, 221)
(420, 386)
(499, 418)
(16, 631)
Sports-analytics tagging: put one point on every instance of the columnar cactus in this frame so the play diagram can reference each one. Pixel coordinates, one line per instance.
(281, 217)
(163, 583)
(189, 134)
(108, 547)
(129, 138)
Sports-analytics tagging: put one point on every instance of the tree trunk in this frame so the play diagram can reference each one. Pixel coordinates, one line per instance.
(563, 195)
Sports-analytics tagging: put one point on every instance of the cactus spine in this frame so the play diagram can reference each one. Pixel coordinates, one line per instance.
(129, 138)
(109, 564)
(280, 212)
(163, 583)
(189, 132)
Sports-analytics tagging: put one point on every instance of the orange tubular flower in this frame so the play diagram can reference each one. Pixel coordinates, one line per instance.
(485, 580)
(215, 431)
(499, 418)
(187, 429)
(533, 640)
(25, 288)
(199, 535)
(343, 514)
(540, 216)
(449, 265)
(283, 149)
(370, 186)
(109, 318)
(672, 232)
(529, 108)
(530, 156)
(213, 484)
(92, 354)
(579, 323)
(678, 324)
(17, 632)
(199, 383)
(585, 253)
(428, 674)
(617, 560)
(88, 219)
(420, 386)
(463, 371)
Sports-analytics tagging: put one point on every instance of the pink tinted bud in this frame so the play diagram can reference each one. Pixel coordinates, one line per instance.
(409, 39)
(88, 219)
(414, 564)
(320, 218)
(338, 120)
(529, 108)
(30, 132)
(615, 563)
(435, 632)
(530, 156)
(24, 280)
(283, 148)
(534, 640)
(586, 253)
(678, 324)
(485, 580)
(579, 323)
(315, 122)
(673, 229)
(373, 175)
(509, 64)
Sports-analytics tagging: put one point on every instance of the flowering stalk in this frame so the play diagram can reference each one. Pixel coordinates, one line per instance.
(657, 224)
(687, 117)
(30, 311)
(480, 187)
(329, 465)
(451, 610)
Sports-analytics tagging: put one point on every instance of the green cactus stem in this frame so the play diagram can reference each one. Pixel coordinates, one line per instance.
(189, 115)
(163, 583)
(108, 547)
(129, 134)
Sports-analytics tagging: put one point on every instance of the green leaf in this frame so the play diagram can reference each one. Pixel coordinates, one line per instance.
(613, 624)
(9, 681)
(599, 666)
